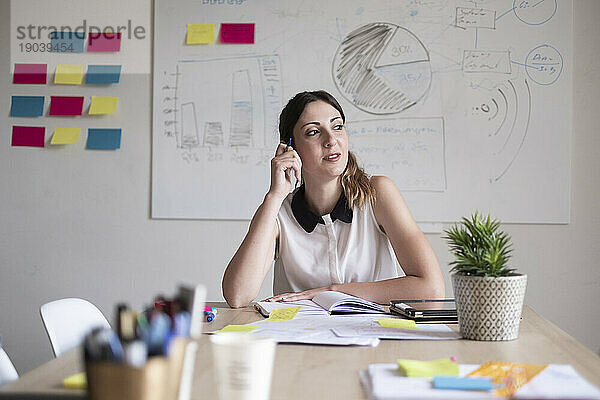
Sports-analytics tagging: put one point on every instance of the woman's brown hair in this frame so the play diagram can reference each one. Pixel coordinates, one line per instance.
(355, 182)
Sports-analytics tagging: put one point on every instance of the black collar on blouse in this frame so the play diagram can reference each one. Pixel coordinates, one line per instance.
(308, 220)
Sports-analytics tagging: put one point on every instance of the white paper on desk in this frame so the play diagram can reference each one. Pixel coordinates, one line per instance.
(558, 381)
(384, 382)
(371, 328)
(325, 337)
(312, 329)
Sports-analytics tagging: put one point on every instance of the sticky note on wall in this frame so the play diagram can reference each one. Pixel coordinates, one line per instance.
(237, 33)
(66, 105)
(68, 74)
(31, 136)
(103, 105)
(66, 42)
(200, 33)
(65, 135)
(104, 42)
(27, 106)
(102, 74)
(103, 139)
(30, 74)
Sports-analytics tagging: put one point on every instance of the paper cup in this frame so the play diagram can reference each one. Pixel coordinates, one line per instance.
(243, 365)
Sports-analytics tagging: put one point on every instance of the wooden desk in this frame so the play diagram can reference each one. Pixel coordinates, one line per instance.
(325, 372)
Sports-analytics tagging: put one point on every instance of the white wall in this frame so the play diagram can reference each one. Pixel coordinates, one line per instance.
(76, 223)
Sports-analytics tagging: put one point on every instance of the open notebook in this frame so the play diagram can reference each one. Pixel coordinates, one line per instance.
(328, 302)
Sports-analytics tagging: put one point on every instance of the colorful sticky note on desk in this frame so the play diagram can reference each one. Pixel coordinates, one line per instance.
(103, 105)
(397, 323)
(30, 74)
(427, 369)
(67, 42)
(511, 376)
(237, 33)
(283, 314)
(65, 135)
(103, 139)
(66, 105)
(102, 74)
(104, 42)
(77, 381)
(68, 74)
(30, 136)
(27, 106)
(238, 328)
(200, 33)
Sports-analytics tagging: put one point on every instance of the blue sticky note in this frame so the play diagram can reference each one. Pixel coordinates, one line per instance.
(456, 383)
(103, 139)
(67, 42)
(102, 74)
(27, 106)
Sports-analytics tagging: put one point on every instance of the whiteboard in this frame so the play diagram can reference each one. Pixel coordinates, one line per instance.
(464, 105)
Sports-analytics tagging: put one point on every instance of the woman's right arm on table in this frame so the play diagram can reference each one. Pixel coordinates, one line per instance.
(248, 267)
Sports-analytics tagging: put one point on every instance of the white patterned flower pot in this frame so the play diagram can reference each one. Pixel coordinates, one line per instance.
(489, 308)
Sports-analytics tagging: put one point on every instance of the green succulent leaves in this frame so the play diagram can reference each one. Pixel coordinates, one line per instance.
(479, 247)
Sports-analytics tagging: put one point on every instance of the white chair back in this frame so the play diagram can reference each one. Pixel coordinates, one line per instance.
(67, 321)
(8, 373)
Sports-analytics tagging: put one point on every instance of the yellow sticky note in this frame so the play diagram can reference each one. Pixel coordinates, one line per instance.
(200, 33)
(397, 323)
(65, 135)
(427, 369)
(283, 314)
(238, 328)
(77, 381)
(103, 105)
(68, 74)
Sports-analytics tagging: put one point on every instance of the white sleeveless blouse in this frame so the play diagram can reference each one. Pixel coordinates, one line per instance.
(334, 252)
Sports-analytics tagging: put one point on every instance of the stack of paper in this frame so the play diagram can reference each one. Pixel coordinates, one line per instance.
(357, 329)
(370, 327)
(311, 329)
(557, 381)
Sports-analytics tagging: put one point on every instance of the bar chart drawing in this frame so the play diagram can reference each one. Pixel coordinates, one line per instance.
(213, 134)
(241, 110)
(189, 127)
(202, 112)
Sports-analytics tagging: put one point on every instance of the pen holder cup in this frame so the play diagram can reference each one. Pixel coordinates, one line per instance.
(161, 378)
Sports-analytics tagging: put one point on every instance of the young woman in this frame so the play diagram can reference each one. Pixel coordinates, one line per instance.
(341, 230)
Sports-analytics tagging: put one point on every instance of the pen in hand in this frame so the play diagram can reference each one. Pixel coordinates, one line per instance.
(289, 146)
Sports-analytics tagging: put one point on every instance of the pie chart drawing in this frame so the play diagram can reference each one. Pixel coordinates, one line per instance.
(382, 68)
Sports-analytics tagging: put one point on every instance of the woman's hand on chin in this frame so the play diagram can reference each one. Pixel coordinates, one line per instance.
(306, 295)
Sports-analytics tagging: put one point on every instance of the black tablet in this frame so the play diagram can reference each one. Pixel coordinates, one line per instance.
(425, 308)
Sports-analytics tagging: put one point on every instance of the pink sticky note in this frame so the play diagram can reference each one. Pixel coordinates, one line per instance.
(98, 42)
(30, 74)
(32, 136)
(66, 105)
(237, 33)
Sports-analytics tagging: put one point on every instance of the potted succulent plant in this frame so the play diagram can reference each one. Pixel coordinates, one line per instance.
(489, 294)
